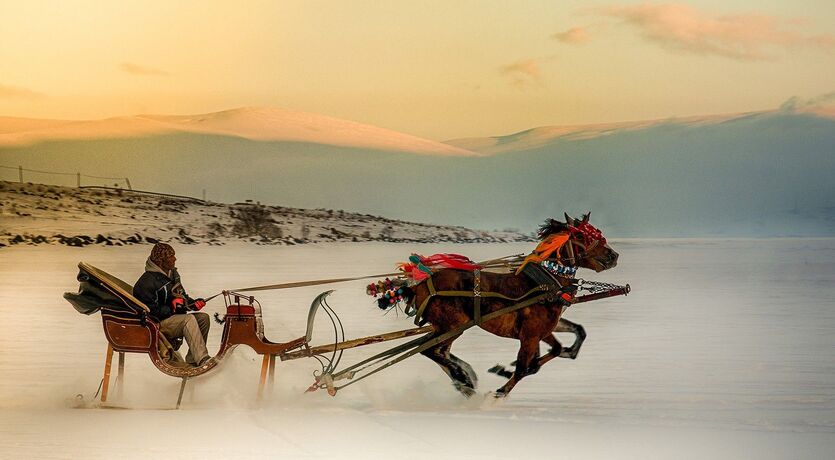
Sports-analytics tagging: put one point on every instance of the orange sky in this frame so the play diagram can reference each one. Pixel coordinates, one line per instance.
(435, 69)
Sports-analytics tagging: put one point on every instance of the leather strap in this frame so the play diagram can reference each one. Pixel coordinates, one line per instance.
(492, 295)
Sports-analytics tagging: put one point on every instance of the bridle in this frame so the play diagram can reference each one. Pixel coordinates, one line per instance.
(591, 237)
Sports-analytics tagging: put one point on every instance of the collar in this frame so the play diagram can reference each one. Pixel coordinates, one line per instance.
(150, 266)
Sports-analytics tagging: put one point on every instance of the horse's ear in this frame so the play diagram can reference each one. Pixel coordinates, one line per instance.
(568, 220)
(586, 217)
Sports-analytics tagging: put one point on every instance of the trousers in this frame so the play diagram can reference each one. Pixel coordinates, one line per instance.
(194, 327)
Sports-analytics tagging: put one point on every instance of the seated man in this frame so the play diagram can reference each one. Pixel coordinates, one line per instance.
(160, 289)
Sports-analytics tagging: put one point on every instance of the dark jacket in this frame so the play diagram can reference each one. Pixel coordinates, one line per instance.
(157, 289)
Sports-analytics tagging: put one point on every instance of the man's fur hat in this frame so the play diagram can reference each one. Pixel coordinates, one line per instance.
(160, 252)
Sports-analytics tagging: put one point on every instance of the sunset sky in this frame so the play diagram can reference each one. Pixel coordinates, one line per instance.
(436, 69)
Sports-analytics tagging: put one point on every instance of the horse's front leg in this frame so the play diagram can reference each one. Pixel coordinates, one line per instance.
(526, 364)
(554, 352)
(565, 325)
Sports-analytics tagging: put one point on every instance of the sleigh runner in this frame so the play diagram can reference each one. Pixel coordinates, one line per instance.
(471, 297)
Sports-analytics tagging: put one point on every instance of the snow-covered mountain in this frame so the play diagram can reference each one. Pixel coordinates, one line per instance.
(543, 136)
(253, 123)
(755, 174)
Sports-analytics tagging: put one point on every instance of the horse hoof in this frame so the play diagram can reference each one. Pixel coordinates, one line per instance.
(501, 371)
(465, 390)
(499, 395)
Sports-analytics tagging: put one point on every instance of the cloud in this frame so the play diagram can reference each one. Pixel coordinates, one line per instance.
(683, 29)
(523, 73)
(135, 69)
(795, 103)
(16, 92)
(573, 36)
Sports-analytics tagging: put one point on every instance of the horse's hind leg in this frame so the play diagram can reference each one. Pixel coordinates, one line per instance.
(565, 325)
(466, 368)
(459, 371)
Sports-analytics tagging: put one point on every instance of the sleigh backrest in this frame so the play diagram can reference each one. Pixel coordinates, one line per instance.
(101, 290)
(126, 324)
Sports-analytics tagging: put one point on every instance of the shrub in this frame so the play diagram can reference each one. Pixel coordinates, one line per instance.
(215, 229)
(255, 221)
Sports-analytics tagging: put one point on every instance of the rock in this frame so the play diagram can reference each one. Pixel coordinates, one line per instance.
(76, 241)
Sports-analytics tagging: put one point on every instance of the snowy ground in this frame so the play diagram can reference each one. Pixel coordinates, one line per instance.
(723, 350)
(51, 214)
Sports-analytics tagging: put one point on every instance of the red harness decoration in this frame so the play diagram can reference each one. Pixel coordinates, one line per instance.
(420, 267)
(588, 233)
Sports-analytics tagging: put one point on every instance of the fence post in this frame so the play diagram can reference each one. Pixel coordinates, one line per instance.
(128, 182)
(20, 171)
(78, 176)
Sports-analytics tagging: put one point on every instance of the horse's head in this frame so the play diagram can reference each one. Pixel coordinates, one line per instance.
(586, 246)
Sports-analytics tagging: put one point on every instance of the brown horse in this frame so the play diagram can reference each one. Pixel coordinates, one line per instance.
(585, 248)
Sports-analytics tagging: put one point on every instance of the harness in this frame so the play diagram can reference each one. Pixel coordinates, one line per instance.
(591, 238)
(477, 294)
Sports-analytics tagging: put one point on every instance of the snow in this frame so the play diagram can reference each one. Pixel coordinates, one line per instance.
(543, 136)
(51, 214)
(723, 350)
(255, 123)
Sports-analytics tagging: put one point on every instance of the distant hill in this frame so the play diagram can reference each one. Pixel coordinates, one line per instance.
(543, 136)
(756, 174)
(253, 123)
(48, 214)
(759, 174)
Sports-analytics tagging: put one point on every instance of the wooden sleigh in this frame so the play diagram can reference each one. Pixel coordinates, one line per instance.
(129, 328)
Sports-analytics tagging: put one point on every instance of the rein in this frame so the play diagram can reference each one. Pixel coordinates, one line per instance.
(492, 263)
(312, 283)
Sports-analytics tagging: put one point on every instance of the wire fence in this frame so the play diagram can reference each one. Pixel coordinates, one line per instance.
(80, 180)
(67, 178)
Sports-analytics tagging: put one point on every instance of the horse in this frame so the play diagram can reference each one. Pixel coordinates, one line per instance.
(585, 247)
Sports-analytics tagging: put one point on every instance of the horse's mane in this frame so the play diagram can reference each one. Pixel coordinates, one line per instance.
(550, 227)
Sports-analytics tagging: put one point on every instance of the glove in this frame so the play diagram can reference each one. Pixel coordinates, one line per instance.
(198, 304)
(178, 304)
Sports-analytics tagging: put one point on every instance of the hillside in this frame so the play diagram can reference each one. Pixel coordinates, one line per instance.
(760, 174)
(47, 214)
(542, 136)
(536, 138)
(253, 123)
